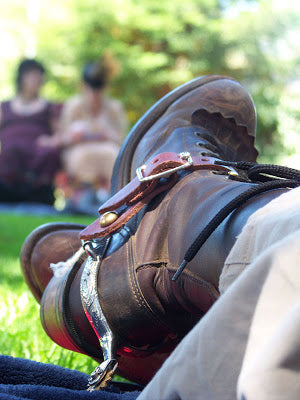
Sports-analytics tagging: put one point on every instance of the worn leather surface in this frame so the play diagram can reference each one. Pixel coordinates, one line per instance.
(139, 299)
(215, 94)
(141, 303)
(147, 310)
(135, 195)
(63, 319)
(51, 242)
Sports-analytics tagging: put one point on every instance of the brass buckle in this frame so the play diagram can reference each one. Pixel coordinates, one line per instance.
(184, 156)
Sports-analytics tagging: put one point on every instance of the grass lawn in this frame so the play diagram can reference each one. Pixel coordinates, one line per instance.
(21, 332)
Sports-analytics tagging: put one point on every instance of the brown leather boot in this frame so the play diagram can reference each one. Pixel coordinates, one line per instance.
(122, 292)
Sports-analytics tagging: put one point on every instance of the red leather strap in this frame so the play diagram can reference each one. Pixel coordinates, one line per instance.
(137, 194)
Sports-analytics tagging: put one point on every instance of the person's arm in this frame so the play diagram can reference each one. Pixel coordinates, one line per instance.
(61, 125)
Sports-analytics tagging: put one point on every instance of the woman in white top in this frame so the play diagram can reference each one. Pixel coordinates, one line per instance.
(92, 128)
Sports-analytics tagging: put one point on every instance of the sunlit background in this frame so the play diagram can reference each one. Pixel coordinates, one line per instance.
(160, 45)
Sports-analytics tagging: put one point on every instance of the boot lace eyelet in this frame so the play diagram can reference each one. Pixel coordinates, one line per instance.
(198, 134)
(209, 154)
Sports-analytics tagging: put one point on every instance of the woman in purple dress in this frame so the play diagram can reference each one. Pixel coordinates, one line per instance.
(27, 168)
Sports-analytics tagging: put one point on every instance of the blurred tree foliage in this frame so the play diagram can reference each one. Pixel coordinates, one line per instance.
(161, 44)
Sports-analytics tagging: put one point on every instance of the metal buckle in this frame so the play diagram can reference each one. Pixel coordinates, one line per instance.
(184, 156)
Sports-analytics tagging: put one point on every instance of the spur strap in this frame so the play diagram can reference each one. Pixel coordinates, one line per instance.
(149, 182)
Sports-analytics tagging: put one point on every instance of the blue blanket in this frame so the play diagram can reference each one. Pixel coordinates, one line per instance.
(22, 379)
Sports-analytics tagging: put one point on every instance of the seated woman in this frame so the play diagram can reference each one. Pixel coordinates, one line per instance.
(91, 130)
(27, 169)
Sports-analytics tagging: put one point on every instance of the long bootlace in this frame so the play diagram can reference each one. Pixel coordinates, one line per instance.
(267, 177)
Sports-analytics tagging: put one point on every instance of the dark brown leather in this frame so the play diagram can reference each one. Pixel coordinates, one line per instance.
(136, 194)
(156, 131)
(52, 242)
(141, 303)
(64, 321)
(139, 299)
(143, 306)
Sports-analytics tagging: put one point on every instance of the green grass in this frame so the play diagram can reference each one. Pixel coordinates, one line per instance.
(21, 332)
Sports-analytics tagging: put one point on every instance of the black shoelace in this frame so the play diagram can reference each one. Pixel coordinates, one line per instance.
(266, 176)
